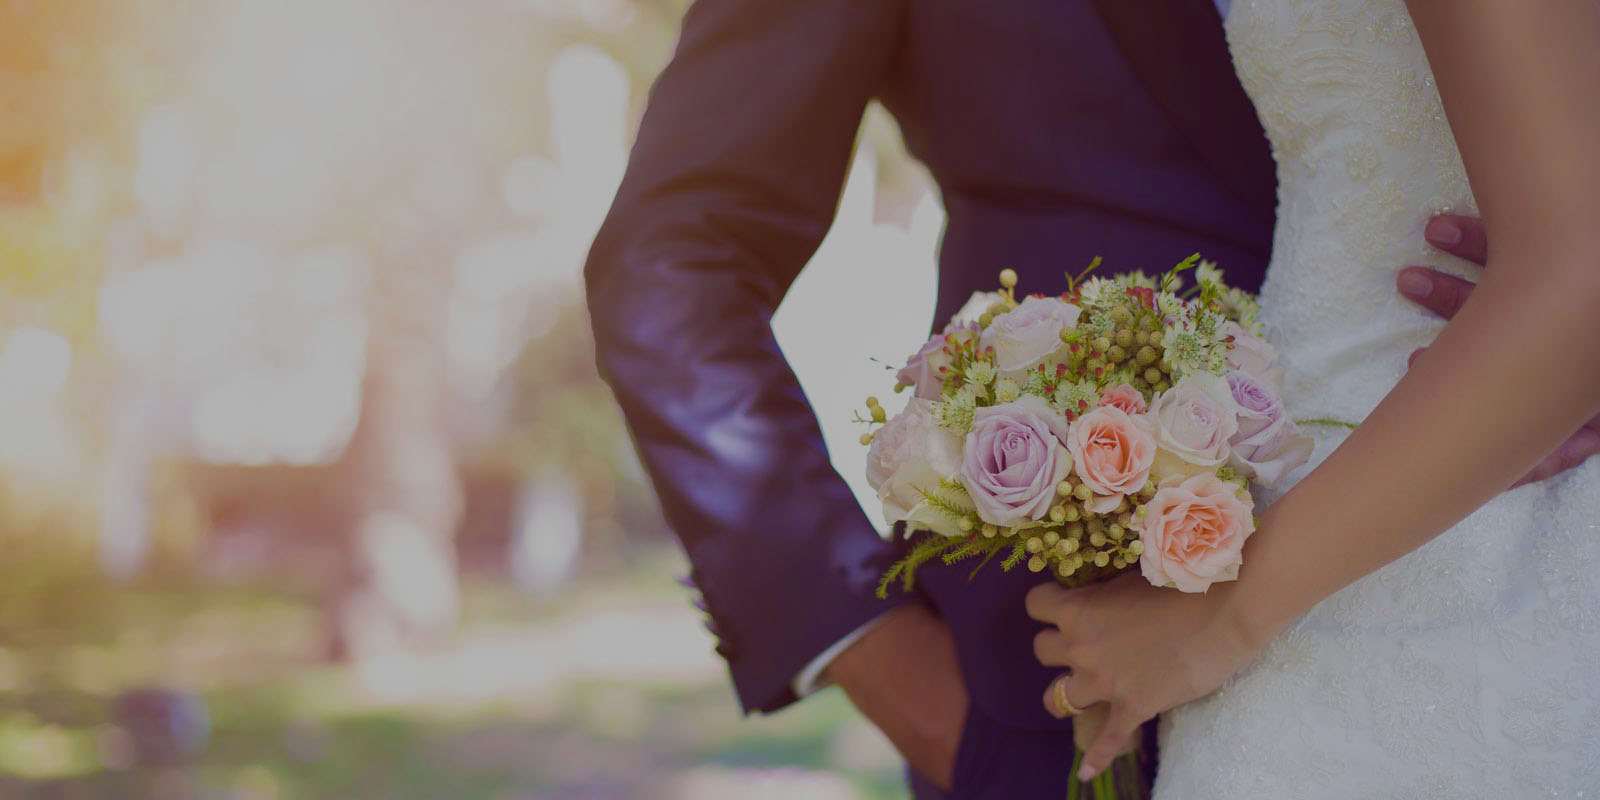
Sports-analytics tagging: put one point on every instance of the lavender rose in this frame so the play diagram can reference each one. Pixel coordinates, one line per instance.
(1028, 333)
(1013, 458)
(1194, 422)
(911, 455)
(1267, 445)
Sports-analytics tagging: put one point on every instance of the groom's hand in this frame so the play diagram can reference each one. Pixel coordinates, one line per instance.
(1445, 294)
(904, 676)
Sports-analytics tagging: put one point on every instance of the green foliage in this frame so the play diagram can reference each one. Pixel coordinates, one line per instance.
(932, 546)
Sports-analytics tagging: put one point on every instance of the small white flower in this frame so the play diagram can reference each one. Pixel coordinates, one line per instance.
(1006, 390)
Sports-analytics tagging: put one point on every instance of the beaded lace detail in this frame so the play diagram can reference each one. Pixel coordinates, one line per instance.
(1471, 667)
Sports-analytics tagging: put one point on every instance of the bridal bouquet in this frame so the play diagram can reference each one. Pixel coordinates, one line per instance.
(1120, 423)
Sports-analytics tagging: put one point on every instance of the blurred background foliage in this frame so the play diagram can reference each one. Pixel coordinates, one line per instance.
(308, 488)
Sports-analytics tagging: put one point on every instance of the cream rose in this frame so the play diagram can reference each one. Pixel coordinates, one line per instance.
(1112, 451)
(910, 455)
(1193, 533)
(1029, 333)
(1193, 422)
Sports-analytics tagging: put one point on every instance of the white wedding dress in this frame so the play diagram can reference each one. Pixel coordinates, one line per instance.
(1470, 668)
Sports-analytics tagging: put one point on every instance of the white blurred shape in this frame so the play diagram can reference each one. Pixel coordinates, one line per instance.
(500, 298)
(35, 361)
(136, 306)
(407, 570)
(781, 783)
(860, 306)
(525, 186)
(588, 129)
(548, 534)
(607, 15)
(589, 106)
(38, 448)
(161, 181)
(302, 89)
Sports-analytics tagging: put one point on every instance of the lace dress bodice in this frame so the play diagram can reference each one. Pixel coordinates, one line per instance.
(1467, 668)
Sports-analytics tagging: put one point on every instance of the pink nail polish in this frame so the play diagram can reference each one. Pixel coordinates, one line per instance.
(1415, 284)
(1086, 773)
(1442, 233)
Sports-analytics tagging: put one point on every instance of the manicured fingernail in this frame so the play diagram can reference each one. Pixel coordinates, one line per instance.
(1443, 233)
(1086, 773)
(1415, 284)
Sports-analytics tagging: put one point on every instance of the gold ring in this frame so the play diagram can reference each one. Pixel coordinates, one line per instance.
(1062, 703)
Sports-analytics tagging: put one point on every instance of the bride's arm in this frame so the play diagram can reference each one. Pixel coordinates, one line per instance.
(1505, 382)
(1519, 367)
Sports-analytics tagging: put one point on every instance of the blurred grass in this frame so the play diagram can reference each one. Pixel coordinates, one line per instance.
(535, 699)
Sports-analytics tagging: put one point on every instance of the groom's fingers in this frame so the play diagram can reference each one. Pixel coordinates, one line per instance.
(1459, 236)
(1578, 448)
(1440, 293)
(1574, 451)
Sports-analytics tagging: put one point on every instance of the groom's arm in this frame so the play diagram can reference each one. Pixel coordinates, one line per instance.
(1445, 294)
(732, 184)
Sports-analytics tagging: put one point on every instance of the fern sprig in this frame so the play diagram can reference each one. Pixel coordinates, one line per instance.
(905, 569)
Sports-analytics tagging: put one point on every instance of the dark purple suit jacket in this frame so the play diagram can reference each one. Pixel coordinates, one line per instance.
(1057, 130)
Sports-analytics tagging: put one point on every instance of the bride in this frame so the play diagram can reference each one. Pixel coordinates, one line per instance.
(1400, 628)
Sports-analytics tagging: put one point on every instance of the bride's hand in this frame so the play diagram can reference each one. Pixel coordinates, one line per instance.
(1445, 294)
(1139, 650)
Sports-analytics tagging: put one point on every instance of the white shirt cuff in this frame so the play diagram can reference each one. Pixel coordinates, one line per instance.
(811, 678)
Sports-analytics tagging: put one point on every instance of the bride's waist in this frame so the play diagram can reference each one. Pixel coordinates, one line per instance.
(1343, 372)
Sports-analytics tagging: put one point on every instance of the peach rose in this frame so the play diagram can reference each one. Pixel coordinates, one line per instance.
(1193, 533)
(1126, 398)
(1112, 452)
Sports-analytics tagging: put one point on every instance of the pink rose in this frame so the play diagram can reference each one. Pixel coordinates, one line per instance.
(910, 455)
(1268, 445)
(1029, 333)
(1193, 423)
(1249, 354)
(1013, 459)
(1193, 533)
(922, 370)
(1124, 397)
(1113, 452)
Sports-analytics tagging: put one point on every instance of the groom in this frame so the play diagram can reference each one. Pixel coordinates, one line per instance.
(1057, 130)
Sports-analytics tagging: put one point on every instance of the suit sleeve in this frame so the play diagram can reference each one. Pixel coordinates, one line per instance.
(732, 183)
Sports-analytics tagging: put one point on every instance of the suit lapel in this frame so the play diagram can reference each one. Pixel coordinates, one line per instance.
(1177, 49)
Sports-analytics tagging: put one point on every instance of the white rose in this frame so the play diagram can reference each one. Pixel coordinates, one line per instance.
(976, 305)
(1029, 333)
(1193, 422)
(910, 455)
